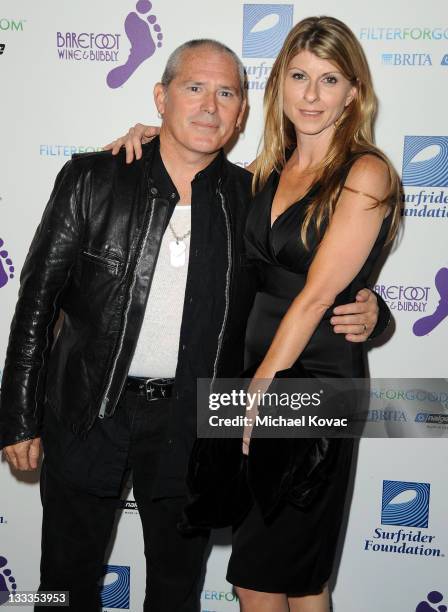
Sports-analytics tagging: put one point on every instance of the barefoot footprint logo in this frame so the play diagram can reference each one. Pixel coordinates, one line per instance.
(145, 35)
(7, 581)
(434, 597)
(426, 325)
(6, 266)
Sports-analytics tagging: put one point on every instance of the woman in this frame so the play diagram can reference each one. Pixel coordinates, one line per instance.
(326, 201)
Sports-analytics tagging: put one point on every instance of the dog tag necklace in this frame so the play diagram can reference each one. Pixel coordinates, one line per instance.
(178, 248)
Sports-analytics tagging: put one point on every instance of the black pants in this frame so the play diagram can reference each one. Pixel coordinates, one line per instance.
(77, 525)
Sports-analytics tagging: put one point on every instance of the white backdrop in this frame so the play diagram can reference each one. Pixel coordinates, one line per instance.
(57, 98)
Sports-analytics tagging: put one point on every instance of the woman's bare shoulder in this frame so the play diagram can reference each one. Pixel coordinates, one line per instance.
(370, 175)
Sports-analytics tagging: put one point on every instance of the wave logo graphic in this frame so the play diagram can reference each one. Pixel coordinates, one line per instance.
(265, 27)
(117, 586)
(425, 161)
(405, 503)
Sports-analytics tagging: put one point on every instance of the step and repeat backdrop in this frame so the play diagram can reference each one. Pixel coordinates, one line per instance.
(75, 75)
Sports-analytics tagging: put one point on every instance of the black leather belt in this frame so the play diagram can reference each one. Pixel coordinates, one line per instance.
(151, 388)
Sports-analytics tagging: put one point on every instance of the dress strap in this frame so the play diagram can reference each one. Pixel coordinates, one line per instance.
(367, 195)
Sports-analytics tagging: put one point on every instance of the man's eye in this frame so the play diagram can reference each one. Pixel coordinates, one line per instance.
(226, 94)
(194, 88)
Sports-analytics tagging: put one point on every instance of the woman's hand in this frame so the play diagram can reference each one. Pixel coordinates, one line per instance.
(259, 385)
(133, 140)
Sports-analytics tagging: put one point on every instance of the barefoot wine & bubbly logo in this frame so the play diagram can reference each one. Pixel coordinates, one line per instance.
(142, 37)
(6, 265)
(426, 324)
(7, 581)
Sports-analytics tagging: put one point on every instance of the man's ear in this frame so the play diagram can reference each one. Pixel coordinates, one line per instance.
(160, 97)
(241, 114)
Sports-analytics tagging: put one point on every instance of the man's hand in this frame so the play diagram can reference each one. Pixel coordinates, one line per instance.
(23, 456)
(133, 140)
(358, 320)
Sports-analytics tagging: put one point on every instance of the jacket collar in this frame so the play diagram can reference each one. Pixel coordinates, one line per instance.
(214, 172)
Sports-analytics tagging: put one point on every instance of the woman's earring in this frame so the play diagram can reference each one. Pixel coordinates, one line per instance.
(337, 123)
(159, 115)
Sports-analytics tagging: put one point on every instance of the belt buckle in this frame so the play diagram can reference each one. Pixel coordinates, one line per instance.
(154, 390)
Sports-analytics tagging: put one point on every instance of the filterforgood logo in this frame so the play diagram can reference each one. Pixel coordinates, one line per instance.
(11, 25)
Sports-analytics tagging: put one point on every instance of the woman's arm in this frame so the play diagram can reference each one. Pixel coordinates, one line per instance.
(343, 251)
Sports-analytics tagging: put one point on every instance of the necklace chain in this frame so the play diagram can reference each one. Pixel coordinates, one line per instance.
(176, 237)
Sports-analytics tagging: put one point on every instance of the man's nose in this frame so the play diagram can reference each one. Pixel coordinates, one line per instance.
(209, 102)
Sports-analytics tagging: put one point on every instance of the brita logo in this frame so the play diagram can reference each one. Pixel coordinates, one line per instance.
(265, 27)
(406, 59)
(425, 164)
(115, 592)
(404, 504)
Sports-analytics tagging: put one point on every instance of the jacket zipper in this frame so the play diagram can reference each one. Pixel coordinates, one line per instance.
(227, 292)
(106, 399)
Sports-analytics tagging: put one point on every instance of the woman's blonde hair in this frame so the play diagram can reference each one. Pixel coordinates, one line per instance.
(329, 39)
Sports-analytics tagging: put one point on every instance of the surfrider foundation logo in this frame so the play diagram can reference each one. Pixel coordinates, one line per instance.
(413, 512)
(117, 587)
(265, 27)
(425, 161)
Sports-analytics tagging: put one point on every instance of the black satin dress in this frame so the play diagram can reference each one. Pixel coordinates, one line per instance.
(294, 553)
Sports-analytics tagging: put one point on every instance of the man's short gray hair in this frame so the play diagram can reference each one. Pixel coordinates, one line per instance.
(175, 58)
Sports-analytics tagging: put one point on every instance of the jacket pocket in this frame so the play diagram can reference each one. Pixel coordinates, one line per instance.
(108, 262)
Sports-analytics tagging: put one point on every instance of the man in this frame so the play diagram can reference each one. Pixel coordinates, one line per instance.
(116, 391)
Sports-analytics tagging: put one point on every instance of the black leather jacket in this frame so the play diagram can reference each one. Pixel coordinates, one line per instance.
(93, 257)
